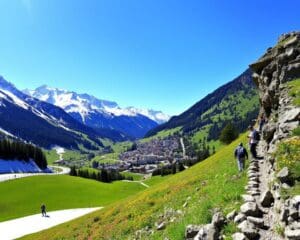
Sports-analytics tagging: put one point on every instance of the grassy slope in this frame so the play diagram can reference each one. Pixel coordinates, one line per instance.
(295, 91)
(24, 196)
(162, 134)
(210, 184)
(51, 156)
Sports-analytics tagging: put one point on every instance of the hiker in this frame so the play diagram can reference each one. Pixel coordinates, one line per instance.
(241, 154)
(261, 122)
(253, 140)
(43, 209)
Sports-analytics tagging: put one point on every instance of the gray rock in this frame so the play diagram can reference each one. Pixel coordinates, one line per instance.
(253, 184)
(191, 231)
(267, 199)
(283, 175)
(230, 216)
(288, 127)
(258, 222)
(291, 115)
(251, 209)
(285, 186)
(239, 218)
(292, 234)
(248, 229)
(218, 220)
(207, 232)
(295, 225)
(296, 201)
(269, 130)
(239, 236)
(293, 212)
(284, 214)
(248, 198)
(161, 226)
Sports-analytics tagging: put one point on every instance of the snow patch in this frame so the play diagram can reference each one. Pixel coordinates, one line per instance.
(18, 166)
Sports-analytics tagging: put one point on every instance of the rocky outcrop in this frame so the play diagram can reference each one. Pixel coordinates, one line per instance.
(209, 231)
(265, 215)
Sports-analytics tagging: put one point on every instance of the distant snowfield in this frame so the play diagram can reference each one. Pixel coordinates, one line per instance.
(35, 223)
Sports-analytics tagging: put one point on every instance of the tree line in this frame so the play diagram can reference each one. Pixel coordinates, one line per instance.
(104, 175)
(16, 150)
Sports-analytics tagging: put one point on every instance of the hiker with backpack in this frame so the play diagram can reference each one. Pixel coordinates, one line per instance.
(254, 138)
(241, 154)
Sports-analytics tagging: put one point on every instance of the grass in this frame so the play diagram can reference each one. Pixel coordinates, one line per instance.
(110, 158)
(288, 155)
(24, 196)
(294, 91)
(135, 176)
(73, 156)
(51, 156)
(213, 183)
(162, 134)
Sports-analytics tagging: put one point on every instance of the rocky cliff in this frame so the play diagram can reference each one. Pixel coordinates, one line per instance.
(272, 71)
(266, 213)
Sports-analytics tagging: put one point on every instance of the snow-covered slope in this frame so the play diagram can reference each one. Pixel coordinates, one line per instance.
(98, 113)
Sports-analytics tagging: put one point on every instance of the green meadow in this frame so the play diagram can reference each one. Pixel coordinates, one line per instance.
(24, 196)
(213, 183)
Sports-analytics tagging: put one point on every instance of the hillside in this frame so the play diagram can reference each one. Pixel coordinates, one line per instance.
(181, 199)
(99, 114)
(24, 196)
(236, 101)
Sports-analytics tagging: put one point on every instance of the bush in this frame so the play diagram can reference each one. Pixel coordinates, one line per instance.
(228, 134)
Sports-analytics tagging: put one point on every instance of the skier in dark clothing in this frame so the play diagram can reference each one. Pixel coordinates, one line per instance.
(241, 154)
(43, 209)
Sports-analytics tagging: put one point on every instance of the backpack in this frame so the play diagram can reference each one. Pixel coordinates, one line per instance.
(256, 135)
(240, 152)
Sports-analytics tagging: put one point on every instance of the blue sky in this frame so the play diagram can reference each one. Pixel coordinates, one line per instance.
(161, 54)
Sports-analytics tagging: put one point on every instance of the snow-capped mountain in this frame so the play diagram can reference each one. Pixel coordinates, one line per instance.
(98, 113)
(32, 120)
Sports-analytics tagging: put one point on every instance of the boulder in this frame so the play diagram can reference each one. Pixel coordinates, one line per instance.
(269, 130)
(192, 230)
(239, 236)
(239, 218)
(251, 209)
(248, 229)
(283, 175)
(266, 199)
(284, 214)
(218, 220)
(161, 226)
(292, 234)
(207, 232)
(230, 216)
(258, 222)
(291, 115)
(248, 198)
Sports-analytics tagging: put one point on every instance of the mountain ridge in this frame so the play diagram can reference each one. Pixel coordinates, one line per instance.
(98, 113)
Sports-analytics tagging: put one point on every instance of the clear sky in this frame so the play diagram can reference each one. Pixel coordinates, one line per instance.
(161, 54)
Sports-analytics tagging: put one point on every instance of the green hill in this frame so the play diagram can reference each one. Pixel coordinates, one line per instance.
(24, 196)
(186, 198)
(236, 101)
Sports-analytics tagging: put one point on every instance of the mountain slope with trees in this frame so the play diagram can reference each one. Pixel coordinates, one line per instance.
(236, 102)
